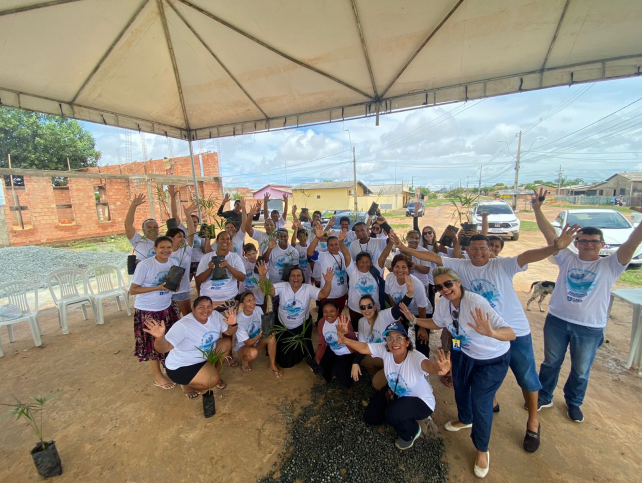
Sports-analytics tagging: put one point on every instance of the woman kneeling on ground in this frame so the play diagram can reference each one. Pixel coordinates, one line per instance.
(371, 328)
(200, 330)
(249, 337)
(480, 357)
(335, 359)
(408, 397)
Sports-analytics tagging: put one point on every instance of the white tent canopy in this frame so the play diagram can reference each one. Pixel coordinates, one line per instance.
(224, 68)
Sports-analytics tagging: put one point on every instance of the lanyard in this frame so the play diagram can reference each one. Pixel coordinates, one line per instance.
(339, 263)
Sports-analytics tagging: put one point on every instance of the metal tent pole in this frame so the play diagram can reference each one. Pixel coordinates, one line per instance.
(191, 157)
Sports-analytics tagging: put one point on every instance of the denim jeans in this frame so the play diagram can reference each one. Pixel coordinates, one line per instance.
(476, 382)
(584, 342)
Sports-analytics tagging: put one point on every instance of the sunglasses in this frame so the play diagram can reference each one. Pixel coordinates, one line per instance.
(369, 306)
(391, 339)
(376, 229)
(427, 233)
(455, 316)
(447, 284)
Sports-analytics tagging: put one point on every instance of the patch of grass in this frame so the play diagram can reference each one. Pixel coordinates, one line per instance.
(567, 205)
(529, 226)
(632, 276)
(400, 226)
(110, 244)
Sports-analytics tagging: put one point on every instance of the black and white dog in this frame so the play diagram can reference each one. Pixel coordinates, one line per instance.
(541, 289)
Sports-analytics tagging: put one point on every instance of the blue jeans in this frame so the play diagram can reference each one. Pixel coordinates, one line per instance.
(522, 363)
(476, 382)
(584, 342)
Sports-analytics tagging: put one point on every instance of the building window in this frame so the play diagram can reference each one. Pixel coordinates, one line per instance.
(622, 191)
(601, 192)
(64, 208)
(102, 206)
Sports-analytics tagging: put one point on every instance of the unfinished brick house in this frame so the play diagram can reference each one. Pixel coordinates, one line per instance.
(93, 202)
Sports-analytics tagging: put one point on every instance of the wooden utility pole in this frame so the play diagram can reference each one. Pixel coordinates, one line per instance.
(519, 148)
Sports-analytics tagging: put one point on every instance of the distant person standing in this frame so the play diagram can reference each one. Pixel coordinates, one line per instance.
(143, 245)
(233, 215)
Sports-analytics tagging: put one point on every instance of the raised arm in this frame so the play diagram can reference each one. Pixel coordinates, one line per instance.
(221, 209)
(563, 241)
(484, 228)
(327, 287)
(313, 244)
(295, 228)
(285, 207)
(422, 322)
(130, 231)
(415, 219)
(423, 255)
(441, 365)
(483, 327)
(157, 330)
(189, 210)
(342, 332)
(263, 271)
(546, 227)
(627, 250)
(173, 205)
(266, 200)
(385, 252)
(244, 216)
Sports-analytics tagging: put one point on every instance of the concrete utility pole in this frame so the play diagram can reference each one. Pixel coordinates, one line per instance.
(354, 167)
(559, 180)
(519, 148)
(481, 169)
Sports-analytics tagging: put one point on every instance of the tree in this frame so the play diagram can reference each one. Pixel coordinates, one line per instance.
(44, 142)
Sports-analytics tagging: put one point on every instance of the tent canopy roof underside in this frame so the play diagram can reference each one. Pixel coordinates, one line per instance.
(227, 68)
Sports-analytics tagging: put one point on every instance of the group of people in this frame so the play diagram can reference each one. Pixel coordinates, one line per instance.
(390, 317)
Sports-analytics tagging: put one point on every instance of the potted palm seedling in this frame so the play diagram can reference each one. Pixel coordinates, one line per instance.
(213, 357)
(44, 454)
(267, 320)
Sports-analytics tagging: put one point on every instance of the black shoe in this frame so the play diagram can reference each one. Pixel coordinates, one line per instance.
(496, 408)
(575, 413)
(541, 404)
(531, 440)
(314, 365)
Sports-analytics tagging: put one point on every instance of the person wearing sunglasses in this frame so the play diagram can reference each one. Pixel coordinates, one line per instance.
(492, 278)
(578, 310)
(480, 357)
(408, 397)
(371, 327)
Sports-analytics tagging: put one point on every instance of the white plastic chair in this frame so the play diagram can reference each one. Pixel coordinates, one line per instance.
(107, 287)
(126, 281)
(63, 286)
(17, 293)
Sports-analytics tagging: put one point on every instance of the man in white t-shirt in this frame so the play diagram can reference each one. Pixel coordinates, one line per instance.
(262, 238)
(143, 245)
(578, 311)
(366, 244)
(332, 258)
(492, 278)
(279, 255)
(279, 220)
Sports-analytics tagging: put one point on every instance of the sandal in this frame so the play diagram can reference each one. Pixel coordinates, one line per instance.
(447, 381)
(167, 386)
(221, 384)
(192, 394)
(246, 368)
(231, 361)
(277, 373)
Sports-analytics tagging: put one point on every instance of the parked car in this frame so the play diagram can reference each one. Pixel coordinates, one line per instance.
(615, 226)
(410, 210)
(502, 221)
(329, 214)
(360, 216)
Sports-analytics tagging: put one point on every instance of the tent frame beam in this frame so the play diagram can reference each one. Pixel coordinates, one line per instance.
(423, 44)
(52, 3)
(229, 73)
(109, 51)
(172, 55)
(364, 47)
(274, 49)
(557, 31)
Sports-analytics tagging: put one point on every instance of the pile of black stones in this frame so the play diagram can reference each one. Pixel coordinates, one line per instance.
(330, 442)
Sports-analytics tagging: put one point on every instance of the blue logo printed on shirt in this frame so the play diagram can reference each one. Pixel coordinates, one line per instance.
(332, 340)
(151, 253)
(293, 308)
(208, 339)
(218, 284)
(397, 296)
(375, 337)
(250, 279)
(364, 286)
(398, 384)
(280, 262)
(160, 278)
(254, 328)
(486, 289)
(579, 283)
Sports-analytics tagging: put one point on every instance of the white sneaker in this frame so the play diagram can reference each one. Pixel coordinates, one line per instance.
(449, 426)
(482, 472)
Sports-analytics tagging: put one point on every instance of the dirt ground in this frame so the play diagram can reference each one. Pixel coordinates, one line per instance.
(111, 424)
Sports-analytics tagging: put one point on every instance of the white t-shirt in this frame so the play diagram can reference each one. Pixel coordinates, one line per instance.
(361, 284)
(583, 288)
(251, 282)
(374, 247)
(280, 224)
(293, 307)
(220, 290)
(149, 272)
(278, 259)
(262, 239)
(185, 254)
(494, 281)
(425, 278)
(249, 327)
(197, 248)
(322, 247)
(473, 344)
(188, 335)
(338, 265)
(332, 339)
(350, 238)
(374, 335)
(143, 247)
(397, 292)
(407, 379)
(304, 264)
(237, 243)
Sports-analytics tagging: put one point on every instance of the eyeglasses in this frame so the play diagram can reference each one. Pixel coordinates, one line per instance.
(475, 249)
(447, 284)
(369, 306)
(427, 233)
(586, 242)
(391, 339)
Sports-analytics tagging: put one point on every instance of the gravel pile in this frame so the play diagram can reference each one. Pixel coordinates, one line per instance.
(34, 263)
(329, 442)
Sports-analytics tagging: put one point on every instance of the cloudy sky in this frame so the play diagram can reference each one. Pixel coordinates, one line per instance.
(591, 130)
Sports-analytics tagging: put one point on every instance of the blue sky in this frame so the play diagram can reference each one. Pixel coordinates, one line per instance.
(438, 146)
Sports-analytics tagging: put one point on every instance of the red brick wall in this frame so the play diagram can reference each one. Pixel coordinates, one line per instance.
(42, 219)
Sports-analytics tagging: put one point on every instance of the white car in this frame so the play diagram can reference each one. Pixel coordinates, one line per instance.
(615, 226)
(502, 221)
